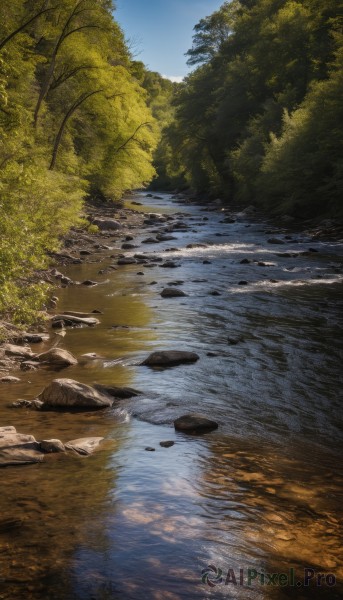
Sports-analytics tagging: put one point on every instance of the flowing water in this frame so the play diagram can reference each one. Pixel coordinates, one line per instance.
(261, 495)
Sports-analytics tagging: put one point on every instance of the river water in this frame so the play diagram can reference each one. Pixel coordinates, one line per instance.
(261, 495)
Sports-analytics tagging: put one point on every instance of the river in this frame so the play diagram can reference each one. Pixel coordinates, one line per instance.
(261, 495)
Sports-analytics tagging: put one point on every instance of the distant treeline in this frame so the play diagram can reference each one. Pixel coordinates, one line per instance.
(74, 119)
(260, 118)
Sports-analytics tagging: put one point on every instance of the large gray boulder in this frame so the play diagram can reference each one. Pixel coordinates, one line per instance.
(57, 357)
(18, 448)
(170, 358)
(195, 423)
(70, 394)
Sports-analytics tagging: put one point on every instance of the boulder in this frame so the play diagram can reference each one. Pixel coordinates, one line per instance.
(52, 446)
(105, 224)
(20, 351)
(70, 394)
(18, 449)
(170, 358)
(172, 292)
(84, 446)
(167, 444)
(195, 423)
(57, 357)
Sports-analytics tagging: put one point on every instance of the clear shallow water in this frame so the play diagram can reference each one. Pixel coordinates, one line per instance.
(264, 492)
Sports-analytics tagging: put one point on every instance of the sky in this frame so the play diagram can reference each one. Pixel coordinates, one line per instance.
(160, 31)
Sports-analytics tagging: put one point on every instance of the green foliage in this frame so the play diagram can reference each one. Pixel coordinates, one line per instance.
(73, 118)
(257, 121)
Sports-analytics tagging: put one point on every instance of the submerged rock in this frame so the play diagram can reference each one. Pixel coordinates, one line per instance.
(195, 423)
(84, 446)
(172, 292)
(57, 357)
(170, 358)
(167, 444)
(67, 393)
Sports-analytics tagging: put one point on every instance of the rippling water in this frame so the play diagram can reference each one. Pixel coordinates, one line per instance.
(263, 492)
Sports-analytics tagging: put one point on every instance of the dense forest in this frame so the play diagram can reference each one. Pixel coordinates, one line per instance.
(74, 120)
(258, 120)
(260, 117)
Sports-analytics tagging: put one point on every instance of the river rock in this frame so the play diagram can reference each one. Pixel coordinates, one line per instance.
(84, 446)
(35, 338)
(20, 351)
(170, 358)
(52, 446)
(117, 392)
(167, 444)
(28, 365)
(72, 321)
(57, 357)
(126, 261)
(9, 379)
(89, 282)
(171, 292)
(195, 423)
(169, 264)
(105, 224)
(67, 393)
(18, 449)
(162, 237)
(150, 240)
(76, 313)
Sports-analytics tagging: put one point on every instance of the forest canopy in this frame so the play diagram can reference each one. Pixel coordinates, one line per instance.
(259, 119)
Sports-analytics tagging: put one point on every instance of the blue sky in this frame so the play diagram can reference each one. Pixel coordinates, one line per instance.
(160, 31)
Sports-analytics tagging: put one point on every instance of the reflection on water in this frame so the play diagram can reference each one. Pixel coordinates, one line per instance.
(264, 492)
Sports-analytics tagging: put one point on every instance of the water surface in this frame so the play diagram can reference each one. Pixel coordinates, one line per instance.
(263, 492)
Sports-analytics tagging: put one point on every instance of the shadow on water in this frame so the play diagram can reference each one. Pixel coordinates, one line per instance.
(263, 493)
